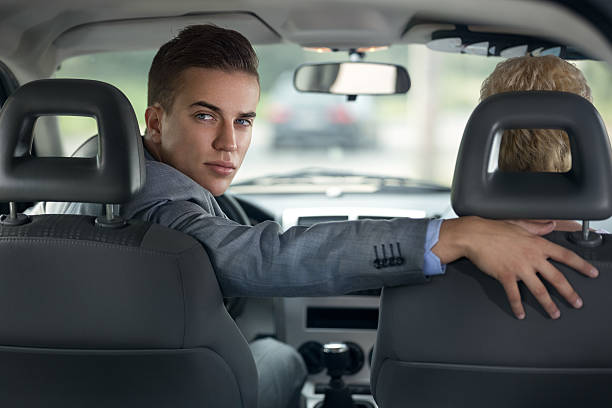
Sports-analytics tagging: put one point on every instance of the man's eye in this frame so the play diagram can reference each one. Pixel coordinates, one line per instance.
(204, 116)
(244, 122)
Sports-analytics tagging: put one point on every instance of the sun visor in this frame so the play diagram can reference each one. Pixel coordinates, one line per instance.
(151, 33)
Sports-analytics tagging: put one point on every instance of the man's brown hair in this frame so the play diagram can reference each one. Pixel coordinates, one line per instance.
(538, 150)
(201, 46)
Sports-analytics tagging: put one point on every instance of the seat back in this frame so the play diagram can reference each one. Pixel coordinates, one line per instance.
(96, 315)
(454, 342)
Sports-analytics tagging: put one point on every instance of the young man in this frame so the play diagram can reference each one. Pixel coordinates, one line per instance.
(203, 93)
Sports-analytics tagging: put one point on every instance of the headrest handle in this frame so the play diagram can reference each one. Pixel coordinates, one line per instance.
(113, 176)
(585, 192)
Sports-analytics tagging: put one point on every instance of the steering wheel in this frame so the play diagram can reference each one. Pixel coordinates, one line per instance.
(231, 207)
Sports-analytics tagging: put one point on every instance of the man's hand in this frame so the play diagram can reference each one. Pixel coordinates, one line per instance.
(510, 253)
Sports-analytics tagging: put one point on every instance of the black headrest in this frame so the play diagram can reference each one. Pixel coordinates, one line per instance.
(113, 176)
(585, 192)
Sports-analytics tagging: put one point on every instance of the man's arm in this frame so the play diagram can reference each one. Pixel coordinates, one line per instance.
(337, 258)
(322, 260)
(510, 253)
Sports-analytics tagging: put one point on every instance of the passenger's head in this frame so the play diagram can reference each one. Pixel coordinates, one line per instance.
(536, 150)
(203, 92)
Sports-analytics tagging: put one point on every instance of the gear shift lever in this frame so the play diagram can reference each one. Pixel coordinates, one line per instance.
(336, 359)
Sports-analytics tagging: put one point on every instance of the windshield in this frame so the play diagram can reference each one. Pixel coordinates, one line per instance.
(414, 136)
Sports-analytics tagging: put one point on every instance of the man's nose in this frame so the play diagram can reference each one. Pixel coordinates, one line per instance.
(226, 138)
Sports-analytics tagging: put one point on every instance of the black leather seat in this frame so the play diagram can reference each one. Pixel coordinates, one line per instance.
(454, 342)
(97, 312)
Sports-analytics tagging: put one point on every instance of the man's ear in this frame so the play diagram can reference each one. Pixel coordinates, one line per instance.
(153, 120)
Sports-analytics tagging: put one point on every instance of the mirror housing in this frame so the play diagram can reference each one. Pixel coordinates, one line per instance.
(352, 78)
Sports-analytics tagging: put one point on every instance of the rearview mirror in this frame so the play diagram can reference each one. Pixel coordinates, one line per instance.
(352, 78)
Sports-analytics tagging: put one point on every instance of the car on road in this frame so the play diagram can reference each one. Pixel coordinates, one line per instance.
(306, 120)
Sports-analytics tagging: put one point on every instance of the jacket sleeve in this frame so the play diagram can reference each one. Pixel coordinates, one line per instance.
(325, 259)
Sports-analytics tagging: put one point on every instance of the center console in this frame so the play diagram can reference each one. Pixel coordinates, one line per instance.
(309, 323)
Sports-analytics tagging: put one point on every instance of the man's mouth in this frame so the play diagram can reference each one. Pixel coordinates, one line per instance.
(222, 168)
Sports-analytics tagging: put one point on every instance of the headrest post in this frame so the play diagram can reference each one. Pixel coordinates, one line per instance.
(14, 218)
(585, 230)
(109, 212)
(585, 238)
(109, 220)
(13, 210)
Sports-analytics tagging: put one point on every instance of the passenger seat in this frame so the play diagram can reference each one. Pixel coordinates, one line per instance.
(455, 341)
(102, 312)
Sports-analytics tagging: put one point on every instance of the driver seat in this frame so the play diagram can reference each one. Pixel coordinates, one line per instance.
(101, 312)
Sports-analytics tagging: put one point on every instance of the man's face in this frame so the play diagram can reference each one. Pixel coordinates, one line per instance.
(208, 130)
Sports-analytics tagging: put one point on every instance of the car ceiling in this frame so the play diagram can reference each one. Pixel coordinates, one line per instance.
(35, 35)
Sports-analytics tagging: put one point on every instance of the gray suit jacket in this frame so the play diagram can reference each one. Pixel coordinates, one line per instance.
(325, 259)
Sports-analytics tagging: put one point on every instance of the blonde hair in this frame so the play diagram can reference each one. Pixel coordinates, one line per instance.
(538, 150)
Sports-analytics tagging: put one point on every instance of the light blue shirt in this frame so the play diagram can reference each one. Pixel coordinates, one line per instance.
(432, 265)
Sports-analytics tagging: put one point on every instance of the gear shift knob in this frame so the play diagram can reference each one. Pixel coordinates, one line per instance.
(336, 358)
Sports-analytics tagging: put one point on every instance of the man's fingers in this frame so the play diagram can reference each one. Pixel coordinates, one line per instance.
(514, 297)
(558, 280)
(537, 288)
(572, 260)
